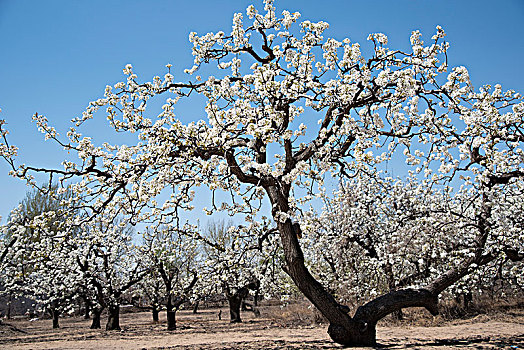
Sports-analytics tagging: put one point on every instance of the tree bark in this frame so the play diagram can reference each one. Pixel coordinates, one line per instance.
(171, 314)
(155, 313)
(95, 324)
(56, 315)
(256, 297)
(236, 300)
(171, 320)
(87, 309)
(86, 313)
(9, 302)
(234, 307)
(113, 319)
(195, 306)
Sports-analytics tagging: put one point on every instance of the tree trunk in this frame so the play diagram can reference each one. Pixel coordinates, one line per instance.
(342, 329)
(171, 320)
(113, 319)
(235, 302)
(55, 314)
(155, 313)
(170, 314)
(468, 298)
(361, 329)
(195, 307)
(236, 299)
(255, 298)
(9, 302)
(87, 309)
(95, 324)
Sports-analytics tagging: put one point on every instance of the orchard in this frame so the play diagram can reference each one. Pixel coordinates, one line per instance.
(288, 112)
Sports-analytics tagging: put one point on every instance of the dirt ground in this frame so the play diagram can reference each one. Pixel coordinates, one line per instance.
(205, 331)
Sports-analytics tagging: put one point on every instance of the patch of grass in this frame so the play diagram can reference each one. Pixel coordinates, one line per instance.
(298, 313)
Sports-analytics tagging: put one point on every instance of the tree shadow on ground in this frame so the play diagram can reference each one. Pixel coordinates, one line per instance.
(466, 343)
(269, 345)
(492, 342)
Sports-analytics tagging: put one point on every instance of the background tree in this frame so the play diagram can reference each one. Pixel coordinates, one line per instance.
(110, 265)
(176, 264)
(37, 269)
(11, 247)
(379, 234)
(240, 260)
(149, 291)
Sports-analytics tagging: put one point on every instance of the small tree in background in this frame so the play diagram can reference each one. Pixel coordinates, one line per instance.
(240, 259)
(38, 267)
(175, 262)
(110, 264)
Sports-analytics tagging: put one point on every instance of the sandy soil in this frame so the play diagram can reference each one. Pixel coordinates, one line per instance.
(205, 331)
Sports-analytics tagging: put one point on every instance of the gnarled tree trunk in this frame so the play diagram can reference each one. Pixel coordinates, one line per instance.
(360, 330)
(171, 320)
(95, 323)
(113, 318)
(171, 314)
(86, 313)
(195, 306)
(256, 297)
(87, 309)
(9, 303)
(236, 299)
(56, 314)
(155, 313)
(235, 302)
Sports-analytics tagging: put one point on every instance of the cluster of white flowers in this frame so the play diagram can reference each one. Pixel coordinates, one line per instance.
(380, 234)
(8, 152)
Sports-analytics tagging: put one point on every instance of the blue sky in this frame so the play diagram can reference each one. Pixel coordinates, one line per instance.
(56, 56)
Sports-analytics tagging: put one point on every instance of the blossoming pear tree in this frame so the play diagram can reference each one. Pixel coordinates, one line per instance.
(175, 262)
(149, 293)
(398, 233)
(240, 260)
(257, 138)
(38, 267)
(13, 247)
(110, 264)
(11, 242)
(54, 278)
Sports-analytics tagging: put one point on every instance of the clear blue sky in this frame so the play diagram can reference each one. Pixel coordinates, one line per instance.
(56, 56)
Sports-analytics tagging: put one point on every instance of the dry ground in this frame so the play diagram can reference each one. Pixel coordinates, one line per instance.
(205, 331)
